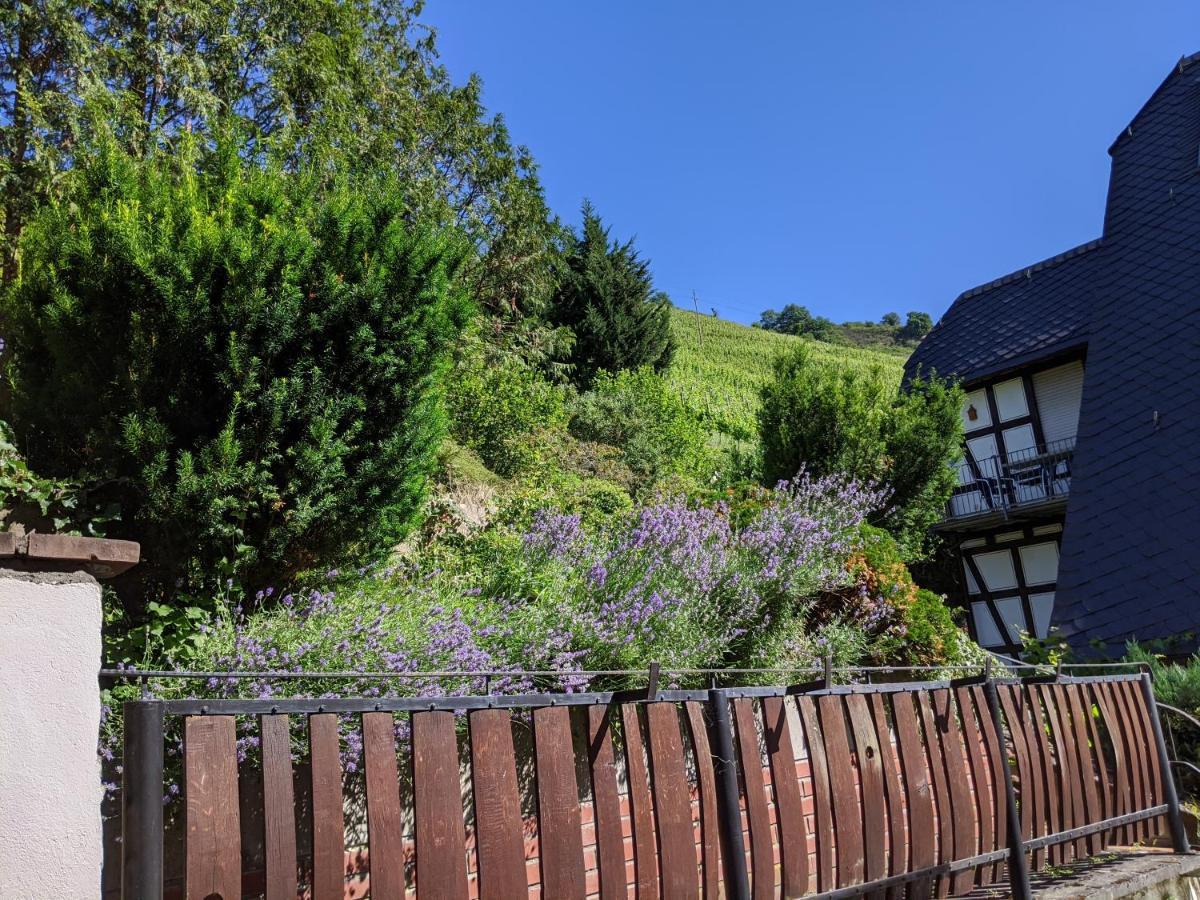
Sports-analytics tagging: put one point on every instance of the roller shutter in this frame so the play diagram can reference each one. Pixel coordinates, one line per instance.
(1058, 392)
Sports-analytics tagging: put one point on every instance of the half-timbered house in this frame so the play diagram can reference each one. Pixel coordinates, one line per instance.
(1078, 500)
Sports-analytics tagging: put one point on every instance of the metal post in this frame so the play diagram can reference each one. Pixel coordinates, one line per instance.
(1179, 838)
(733, 850)
(652, 683)
(142, 802)
(1018, 868)
(828, 670)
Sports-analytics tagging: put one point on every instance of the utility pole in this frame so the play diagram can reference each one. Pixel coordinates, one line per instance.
(699, 326)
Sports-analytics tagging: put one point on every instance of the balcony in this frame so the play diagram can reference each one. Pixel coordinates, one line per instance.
(1024, 482)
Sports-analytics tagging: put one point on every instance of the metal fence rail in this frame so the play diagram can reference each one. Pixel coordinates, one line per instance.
(940, 785)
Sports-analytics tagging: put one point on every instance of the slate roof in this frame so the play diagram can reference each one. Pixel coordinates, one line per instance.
(1029, 314)
(1130, 559)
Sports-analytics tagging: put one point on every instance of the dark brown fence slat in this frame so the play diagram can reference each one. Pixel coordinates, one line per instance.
(438, 808)
(814, 741)
(789, 809)
(921, 851)
(560, 839)
(1076, 749)
(998, 763)
(1068, 753)
(870, 768)
(1152, 776)
(1099, 759)
(1135, 744)
(214, 844)
(1070, 750)
(941, 788)
(846, 814)
(385, 838)
(1060, 774)
(982, 797)
(1122, 794)
(962, 806)
(710, 836)
(606, 805)
(894, 792)
(1010, 701)
(1142, 715)
(1133, 759)
(641, 812)
(499, 836)
(1092, 809)
(279, 808)
(762, 861)
(672, 806)
(1039, 755)
(328, 827)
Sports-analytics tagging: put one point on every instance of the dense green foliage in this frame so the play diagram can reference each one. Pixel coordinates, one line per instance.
(247, 363)
(1176, 683)
(929, 634)
(606, 297)
(825, 419)
(887, 332)
(797, 320)
(637, 412)
(40, 504)
(500, 411)
(916, 327)
(351, 84)
(720, 367)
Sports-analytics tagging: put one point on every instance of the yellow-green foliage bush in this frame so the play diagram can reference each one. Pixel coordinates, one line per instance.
(499, 410)
(637, 412)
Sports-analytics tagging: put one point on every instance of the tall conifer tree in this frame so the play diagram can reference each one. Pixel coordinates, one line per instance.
(606, 297)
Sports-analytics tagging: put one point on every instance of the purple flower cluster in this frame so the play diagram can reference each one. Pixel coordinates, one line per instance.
(677, 582)
(673, 581)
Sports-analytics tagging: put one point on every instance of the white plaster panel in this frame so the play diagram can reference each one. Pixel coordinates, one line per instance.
(997, 570)
(1010, 399)
(1039, 563)
(50, 791)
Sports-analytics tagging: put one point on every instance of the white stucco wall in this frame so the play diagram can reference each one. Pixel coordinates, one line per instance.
(50, 791)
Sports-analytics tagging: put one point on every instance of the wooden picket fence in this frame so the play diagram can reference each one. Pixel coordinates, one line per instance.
(889, 790)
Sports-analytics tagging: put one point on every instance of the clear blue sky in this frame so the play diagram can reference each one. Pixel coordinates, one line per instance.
(853, 157)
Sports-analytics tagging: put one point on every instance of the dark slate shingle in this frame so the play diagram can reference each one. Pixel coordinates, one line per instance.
(1030, 314)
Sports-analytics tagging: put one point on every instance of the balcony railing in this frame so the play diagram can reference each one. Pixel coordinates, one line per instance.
(997, 485)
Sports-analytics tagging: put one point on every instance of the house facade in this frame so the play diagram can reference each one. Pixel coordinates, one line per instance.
(1077, 508)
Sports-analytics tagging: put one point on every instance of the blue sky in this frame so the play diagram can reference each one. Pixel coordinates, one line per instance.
(853, 157)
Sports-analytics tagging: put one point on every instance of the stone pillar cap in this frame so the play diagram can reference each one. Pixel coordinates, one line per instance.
(101, 557)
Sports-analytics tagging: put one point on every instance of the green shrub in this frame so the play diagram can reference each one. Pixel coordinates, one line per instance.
(638, 413)
(906, 624)
(36, 503)
(1175, 684)
(607, 298)
(825, 419)
(248, 363)
(498, 411)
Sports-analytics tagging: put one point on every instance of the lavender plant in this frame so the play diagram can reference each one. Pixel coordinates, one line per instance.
(673, 581)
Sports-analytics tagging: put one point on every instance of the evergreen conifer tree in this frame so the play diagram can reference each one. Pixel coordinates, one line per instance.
(606, 297)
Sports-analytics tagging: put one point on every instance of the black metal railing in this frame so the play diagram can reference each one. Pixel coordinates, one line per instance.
(999, 484)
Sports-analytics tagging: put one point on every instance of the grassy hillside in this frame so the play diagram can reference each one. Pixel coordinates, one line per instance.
(720, 365)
